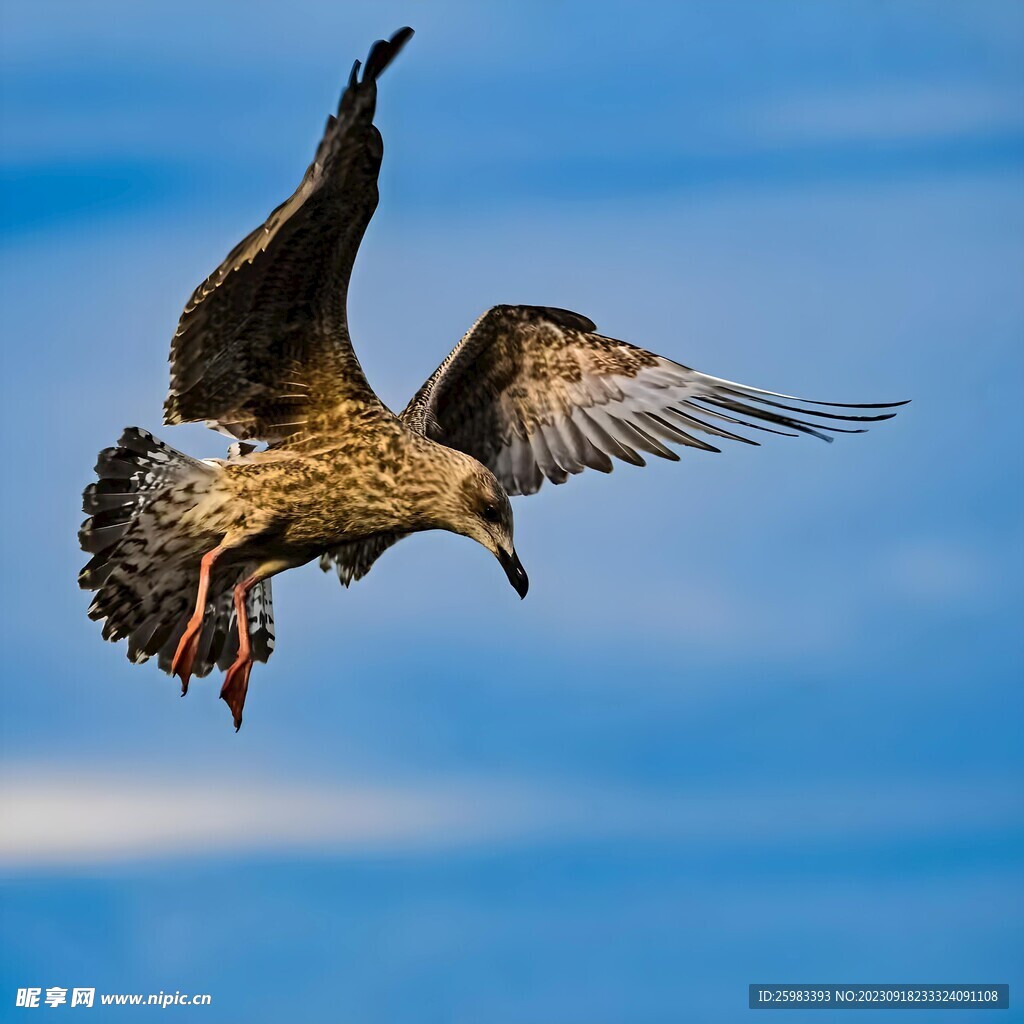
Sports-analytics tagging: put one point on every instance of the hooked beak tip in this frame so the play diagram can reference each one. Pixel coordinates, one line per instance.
(515, 572)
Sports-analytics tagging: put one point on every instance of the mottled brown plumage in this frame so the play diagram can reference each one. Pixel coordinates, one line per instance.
(183, 550)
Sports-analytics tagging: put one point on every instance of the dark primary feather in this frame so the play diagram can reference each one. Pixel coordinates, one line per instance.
(262, 349)
(535, 392)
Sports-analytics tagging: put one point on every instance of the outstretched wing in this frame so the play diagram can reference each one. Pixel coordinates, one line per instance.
(262, 349)
(535, 392)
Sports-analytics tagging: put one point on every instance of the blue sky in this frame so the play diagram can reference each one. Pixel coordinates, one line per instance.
(759, 718)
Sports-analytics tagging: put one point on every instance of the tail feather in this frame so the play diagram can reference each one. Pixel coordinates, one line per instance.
(145, 571)
(218, 643)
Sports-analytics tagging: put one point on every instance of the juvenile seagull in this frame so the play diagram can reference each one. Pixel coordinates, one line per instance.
(183, 550)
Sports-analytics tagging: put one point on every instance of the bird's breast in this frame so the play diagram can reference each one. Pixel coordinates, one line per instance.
(343, 493)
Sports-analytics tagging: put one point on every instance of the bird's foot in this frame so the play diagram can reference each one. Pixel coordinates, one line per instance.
(185, 655)
(236, 685)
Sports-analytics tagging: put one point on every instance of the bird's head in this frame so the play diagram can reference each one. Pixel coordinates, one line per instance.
(478, 508)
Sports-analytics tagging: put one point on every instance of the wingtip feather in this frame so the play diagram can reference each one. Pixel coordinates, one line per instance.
(384, 51)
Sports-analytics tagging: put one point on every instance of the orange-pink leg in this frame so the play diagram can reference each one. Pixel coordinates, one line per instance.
(185, 655)
(236, 682)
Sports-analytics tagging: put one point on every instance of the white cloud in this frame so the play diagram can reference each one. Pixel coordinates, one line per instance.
(64, 819)
(74, 820)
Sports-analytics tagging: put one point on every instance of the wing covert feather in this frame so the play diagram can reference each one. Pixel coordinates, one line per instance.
(535, 393)
(354, 559)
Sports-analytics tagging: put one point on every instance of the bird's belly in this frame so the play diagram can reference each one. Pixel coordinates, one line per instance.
(312, 526)
(324, 500)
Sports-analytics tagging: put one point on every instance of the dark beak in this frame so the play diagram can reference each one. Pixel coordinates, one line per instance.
(515, 572)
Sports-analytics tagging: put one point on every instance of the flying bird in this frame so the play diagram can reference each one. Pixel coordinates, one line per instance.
(183, 550)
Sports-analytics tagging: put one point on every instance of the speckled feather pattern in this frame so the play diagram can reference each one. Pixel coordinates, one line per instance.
(262, 351)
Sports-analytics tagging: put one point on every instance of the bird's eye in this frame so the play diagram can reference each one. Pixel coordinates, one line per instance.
(490, 513)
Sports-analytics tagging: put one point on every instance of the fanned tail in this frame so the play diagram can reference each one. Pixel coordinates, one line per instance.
(145, 567)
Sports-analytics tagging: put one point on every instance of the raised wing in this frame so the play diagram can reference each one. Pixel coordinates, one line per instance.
(262, 349)
(535, 392)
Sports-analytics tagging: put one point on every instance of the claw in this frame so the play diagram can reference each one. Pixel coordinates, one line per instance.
(236, 686)
(236, 682)
(185, 655)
